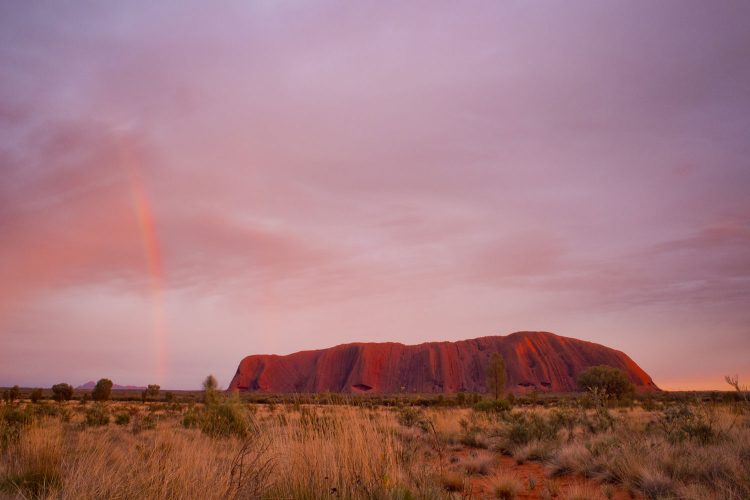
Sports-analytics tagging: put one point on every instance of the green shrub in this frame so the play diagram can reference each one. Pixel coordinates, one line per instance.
(46, 410)
(648, 403)
(493, 405)
(409, 417)
(612, 381)
(97, 415)
(680, 423)
(12, 422)
(122, 418)
(523, 428)
(191, 418)
(49, 410)
(224, 419)
(11, 415)
(144, 423)
(36, 395)
(601, 421)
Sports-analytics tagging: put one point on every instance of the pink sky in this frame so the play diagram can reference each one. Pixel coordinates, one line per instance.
(182, 186)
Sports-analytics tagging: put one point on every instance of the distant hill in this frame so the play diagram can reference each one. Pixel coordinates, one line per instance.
(534, 361)
(115, 387)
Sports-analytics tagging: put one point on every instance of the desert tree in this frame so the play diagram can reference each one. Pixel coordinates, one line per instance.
(210, 386)
(14, 393)
(496, 375)
(62, 392)
(153, 391)
(607, 380)
(102, 390)
(36, 395)
(742, 391)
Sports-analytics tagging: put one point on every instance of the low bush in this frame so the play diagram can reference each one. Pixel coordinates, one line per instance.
(224, 419)
(410, 417)
(97, 415)
(36, 395)
(122, 418)
(680, 423)
(12, 415)
(144, 423)
(493, 405)
(191, 419)
(524, 427)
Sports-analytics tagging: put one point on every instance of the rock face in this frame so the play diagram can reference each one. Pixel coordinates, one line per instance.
(534, 361)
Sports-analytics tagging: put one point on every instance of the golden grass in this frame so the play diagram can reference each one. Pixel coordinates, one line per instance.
(310, 451)
(506, 486)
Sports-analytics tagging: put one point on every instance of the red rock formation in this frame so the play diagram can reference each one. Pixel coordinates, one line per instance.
(533, 360)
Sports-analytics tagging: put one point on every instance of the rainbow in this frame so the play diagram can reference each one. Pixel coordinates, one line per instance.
(145, 218)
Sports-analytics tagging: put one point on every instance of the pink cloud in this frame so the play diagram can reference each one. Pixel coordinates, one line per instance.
(326, 173)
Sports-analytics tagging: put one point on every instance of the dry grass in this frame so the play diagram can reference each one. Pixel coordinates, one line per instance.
(584, 492)
(478, 466)
(255, 451)
(506, 486)
(336, 451)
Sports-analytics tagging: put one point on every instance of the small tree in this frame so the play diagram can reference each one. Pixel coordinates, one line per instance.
(496, 375)
(606, 379)
(153, 391)
(103, 390)
(62, 392)
(461, 398)
(14, 393)
(742, 391)
(209, 390)
(36, 395)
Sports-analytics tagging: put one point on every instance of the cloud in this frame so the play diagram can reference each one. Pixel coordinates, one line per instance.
(378, 168)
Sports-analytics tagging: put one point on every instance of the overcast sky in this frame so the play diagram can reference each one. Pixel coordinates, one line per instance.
(182, 185)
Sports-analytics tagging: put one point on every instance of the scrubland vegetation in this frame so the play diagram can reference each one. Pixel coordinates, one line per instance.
(586, 447)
